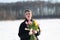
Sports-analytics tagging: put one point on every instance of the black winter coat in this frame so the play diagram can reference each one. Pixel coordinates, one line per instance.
(24, 34)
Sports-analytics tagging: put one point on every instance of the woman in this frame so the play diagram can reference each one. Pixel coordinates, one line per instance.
(24, 33)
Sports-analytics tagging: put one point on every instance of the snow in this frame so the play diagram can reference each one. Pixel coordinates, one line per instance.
(50, 29)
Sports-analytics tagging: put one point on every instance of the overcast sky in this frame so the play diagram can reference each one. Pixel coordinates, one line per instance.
(8, 1)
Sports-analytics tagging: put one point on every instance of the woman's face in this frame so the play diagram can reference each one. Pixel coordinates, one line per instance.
(28, 15)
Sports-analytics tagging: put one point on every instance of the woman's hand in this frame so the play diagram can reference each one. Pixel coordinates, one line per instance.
(34, 31)
(30, 33)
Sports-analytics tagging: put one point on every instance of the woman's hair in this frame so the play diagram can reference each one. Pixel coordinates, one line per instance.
(27, 10)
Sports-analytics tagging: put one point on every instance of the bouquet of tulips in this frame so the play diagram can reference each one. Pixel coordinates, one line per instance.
(33, 26)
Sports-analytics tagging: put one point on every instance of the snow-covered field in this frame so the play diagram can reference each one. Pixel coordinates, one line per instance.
(50, 29)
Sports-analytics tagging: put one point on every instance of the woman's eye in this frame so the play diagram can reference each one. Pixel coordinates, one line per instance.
(26, 14)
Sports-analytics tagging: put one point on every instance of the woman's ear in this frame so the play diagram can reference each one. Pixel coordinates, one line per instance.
(25, 15)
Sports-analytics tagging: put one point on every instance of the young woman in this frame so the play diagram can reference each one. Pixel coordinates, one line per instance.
(24, 33)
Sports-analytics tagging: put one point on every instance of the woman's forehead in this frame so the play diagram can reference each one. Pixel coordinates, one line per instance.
(28, 13)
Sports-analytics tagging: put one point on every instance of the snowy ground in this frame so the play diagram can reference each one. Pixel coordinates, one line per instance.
(50, 29)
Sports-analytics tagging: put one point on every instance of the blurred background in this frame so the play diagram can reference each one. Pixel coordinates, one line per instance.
(42, 9)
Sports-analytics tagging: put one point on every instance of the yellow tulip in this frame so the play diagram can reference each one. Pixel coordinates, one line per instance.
(36, 24)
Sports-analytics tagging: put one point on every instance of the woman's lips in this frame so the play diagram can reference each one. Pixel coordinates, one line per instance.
(28, 16)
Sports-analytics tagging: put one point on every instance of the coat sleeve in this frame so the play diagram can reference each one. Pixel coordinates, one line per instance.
(22, 32)
(38, 32)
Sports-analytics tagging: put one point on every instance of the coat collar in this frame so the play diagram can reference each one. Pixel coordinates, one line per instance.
(27, 20)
